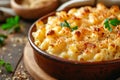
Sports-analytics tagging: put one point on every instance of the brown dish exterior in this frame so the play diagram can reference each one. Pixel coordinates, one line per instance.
(33, 13)
(72, 70)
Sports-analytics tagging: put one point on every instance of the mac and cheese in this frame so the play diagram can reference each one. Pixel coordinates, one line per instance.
(79, 34)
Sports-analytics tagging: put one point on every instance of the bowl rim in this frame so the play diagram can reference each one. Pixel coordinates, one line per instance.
(62, 60)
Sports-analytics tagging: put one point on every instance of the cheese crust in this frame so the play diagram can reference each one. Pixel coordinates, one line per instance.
(91, 41)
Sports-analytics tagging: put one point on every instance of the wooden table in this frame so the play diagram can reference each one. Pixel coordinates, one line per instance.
(12, 52)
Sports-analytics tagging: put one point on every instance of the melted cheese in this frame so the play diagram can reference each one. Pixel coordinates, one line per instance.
(90, 42)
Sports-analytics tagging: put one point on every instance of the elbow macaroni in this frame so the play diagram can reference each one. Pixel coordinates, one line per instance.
(90, 42)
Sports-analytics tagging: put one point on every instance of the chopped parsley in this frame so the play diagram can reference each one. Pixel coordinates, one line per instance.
(74, 28)
(8, 67)
(12, 24)
(66, 24)
(108, 23)
(2, 39)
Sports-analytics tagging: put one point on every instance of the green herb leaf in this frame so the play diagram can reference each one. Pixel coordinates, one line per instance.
(74, 28)
(2, 39)
(108, 23)
(8, 67)
(115, 22)
(2, 62)
(17, 19)
(14, 29)
(66, 24)
(2, 35)
(109, 28)
(11, 24)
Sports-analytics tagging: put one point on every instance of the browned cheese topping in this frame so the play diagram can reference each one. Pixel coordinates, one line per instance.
(83, 34)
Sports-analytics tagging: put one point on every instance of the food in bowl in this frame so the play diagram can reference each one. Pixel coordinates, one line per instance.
(36, 3)
(85, 34)
(33, 9)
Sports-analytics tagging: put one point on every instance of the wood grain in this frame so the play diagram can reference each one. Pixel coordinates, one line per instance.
(36, 72)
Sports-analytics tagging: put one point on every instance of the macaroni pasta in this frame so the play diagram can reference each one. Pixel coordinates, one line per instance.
(79, 34)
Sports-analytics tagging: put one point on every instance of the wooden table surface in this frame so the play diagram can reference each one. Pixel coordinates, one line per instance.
(12, 52)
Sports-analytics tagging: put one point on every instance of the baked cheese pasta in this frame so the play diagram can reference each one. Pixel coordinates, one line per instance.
(81, 34)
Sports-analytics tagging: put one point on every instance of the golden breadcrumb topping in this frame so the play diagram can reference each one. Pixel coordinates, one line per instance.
(82, 34)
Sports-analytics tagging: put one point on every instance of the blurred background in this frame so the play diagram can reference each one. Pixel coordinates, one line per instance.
(18, 7)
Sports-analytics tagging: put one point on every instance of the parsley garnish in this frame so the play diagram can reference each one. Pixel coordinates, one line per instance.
(66, 24)
(108, 23)
(74, 28)
(2, 39)
(12, 24)
(114, 22)
(6, 65)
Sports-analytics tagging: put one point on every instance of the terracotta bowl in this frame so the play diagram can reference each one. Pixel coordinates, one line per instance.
(73, 70)
(33, 13)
